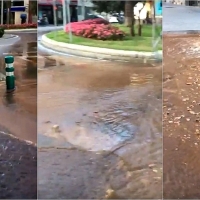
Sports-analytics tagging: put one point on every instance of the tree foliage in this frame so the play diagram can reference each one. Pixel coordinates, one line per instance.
(117, 6)
(107, 6)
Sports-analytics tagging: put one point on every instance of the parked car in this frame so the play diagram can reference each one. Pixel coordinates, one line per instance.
(93, 16)
(114, 18)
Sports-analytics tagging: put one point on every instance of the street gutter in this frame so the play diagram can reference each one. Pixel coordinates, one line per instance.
(183, 32)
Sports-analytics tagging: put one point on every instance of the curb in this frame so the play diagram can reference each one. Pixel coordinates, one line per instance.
(6, 43)
(19, 30)
(184, 32)
(100, 53)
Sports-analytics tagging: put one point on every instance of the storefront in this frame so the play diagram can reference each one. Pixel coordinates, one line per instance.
(48, 8)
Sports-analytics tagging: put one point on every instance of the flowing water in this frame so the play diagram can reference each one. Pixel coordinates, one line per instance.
(93, 106)
(96, 105)
(20, 106)
(18, 122)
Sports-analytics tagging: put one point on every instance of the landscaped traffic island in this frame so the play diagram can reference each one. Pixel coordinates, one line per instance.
(96, 33)
(18, 26)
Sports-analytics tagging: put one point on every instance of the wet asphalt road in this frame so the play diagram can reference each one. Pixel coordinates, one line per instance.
(18, 159)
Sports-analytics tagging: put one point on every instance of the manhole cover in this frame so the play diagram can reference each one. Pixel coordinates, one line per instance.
(169, 7)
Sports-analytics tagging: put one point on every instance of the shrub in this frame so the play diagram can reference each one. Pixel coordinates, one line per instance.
(98, 29)
(1, 32)
(18, 26)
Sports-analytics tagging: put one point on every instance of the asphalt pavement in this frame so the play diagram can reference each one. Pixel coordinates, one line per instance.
(180, 18)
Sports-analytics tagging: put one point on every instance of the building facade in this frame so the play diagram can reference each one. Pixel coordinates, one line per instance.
(185, 2)
(13, 11)
(53, 10)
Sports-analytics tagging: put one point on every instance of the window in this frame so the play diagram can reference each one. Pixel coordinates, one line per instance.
(18, 3)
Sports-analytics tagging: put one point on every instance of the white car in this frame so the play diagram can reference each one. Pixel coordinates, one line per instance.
(113, 19)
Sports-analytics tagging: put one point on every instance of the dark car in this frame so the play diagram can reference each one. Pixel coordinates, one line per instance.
(93, 16)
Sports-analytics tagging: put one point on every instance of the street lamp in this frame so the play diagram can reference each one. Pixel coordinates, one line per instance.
(1, 11)
(68, 18)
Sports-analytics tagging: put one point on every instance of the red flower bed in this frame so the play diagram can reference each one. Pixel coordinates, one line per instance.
(98, 29)
(18, 26)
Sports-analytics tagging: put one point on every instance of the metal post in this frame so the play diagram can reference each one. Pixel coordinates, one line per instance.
(69, 21)
(10, 77)
(153, 26)
(83, 9)
(54, 16)
(1, 11)
(64, 15)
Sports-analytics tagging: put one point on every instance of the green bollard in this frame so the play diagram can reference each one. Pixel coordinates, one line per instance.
(10, 77)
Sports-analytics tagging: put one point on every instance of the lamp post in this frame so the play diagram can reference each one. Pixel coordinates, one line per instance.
(64, 15)
(69, 20)
(83, 8)
(1, 11)
(54, 16)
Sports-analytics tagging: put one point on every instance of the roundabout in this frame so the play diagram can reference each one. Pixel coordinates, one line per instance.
(99, 53)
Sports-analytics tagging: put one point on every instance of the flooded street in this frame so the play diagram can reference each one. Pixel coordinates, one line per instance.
(181, 115)
(21, 106)
(18, 124)
(104, 120)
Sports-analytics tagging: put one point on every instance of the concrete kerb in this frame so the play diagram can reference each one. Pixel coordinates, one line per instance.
(38, 29)
(20, 30)
(99, 53)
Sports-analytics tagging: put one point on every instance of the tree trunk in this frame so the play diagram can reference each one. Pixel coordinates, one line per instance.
(29, 12)
(139, 22)
(32, 10)
(128, 13)
(129, 16)
(8, 6)
(132, 29)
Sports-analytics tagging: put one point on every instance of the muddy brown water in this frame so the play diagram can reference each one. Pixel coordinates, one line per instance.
(21, 105)
(96, 101)
(97, 106)
(181, 117)
(18, 159)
